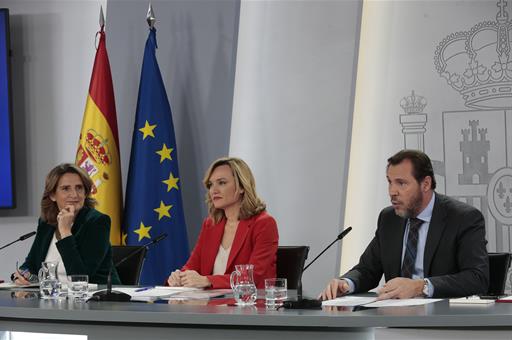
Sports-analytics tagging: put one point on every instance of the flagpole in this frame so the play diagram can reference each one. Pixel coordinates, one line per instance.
(102, 18)
(150, 17)
(153, 186)
(98, 147)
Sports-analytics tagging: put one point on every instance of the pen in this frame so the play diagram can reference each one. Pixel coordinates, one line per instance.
(144, 288)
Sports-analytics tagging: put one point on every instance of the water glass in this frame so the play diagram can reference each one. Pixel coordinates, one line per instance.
(276, 291)
(78, 287)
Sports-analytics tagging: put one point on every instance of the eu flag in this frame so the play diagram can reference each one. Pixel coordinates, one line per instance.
(153, 195)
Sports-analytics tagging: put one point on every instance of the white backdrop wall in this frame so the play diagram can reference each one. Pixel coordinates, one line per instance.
(292, 115)
(400, 41)
(52, 46)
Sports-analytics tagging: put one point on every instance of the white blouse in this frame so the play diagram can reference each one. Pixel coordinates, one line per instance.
(221, 261)
(54, 256)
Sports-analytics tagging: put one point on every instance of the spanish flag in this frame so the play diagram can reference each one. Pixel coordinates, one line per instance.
(98, 148)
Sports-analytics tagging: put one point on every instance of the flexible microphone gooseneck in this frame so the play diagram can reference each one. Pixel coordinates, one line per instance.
(302, 303)
(112, 295)
(22, 238)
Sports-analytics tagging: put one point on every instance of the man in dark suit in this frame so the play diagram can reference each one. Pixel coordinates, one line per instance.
(426, 244)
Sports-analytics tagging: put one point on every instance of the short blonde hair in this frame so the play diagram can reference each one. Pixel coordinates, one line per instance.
(251, 204)
(49, 208)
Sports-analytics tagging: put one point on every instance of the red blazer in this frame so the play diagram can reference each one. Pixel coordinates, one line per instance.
(255, 242)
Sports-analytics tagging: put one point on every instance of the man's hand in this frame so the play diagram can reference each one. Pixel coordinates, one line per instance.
(191, 278)
(401, 288)
(174, 279)
(336, 287)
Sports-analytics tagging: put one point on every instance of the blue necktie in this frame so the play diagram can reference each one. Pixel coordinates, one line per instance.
(411, 247)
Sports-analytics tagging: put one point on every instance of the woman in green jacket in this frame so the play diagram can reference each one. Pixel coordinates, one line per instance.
(70, 230)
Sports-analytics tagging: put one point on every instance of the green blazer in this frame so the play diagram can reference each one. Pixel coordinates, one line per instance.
(86, 251)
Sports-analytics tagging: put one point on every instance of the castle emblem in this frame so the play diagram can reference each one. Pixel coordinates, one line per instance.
(93, 156)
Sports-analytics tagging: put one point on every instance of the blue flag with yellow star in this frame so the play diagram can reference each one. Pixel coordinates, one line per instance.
(153, 204)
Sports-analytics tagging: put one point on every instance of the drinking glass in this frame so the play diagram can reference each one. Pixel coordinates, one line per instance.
(275, 292)
(78, 287)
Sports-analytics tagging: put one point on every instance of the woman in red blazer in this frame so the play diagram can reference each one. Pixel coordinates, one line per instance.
(238, 230)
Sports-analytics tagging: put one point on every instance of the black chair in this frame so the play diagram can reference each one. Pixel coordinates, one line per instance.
(129, 271)
(290, 263)
(499, 264)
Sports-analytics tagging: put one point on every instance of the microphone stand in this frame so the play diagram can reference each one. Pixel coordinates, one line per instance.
(302, 303)
(113, 295)
(22, 238)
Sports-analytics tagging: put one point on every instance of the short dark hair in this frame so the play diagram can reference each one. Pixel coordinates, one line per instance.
(421, 164)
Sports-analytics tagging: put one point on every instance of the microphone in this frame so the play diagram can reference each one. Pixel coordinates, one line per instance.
(29, 235)
(112, 295)
(22, 238)
(340, 237)
(301, 303)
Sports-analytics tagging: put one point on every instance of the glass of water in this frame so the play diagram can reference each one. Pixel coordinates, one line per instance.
(78, 287)
(276, 291)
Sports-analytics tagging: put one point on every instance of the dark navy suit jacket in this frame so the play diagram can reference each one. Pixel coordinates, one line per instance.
(455, 258)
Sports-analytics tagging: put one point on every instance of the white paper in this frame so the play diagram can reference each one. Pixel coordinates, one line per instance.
(199, 295)
(349, 301)
(471, 300)
(155, 292)
(12, 285)
(506, 298)
(401, 302)
(92, 286)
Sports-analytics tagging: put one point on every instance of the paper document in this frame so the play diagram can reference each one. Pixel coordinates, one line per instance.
(351, 301)
(154, 292)
(507, 299)
(12, 285)
(199, 294)
(401, 302)
(471, 300)
(91, 286)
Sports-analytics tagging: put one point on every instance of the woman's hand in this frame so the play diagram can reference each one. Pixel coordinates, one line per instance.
(65, 220)
(191, 278)
(19, 279)
(174, 279)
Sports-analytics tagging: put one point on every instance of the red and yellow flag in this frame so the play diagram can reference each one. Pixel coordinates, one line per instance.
(98, 148)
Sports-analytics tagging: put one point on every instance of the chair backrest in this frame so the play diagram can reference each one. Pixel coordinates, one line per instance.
(290, 263)
(499, 264)
(129, 271)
